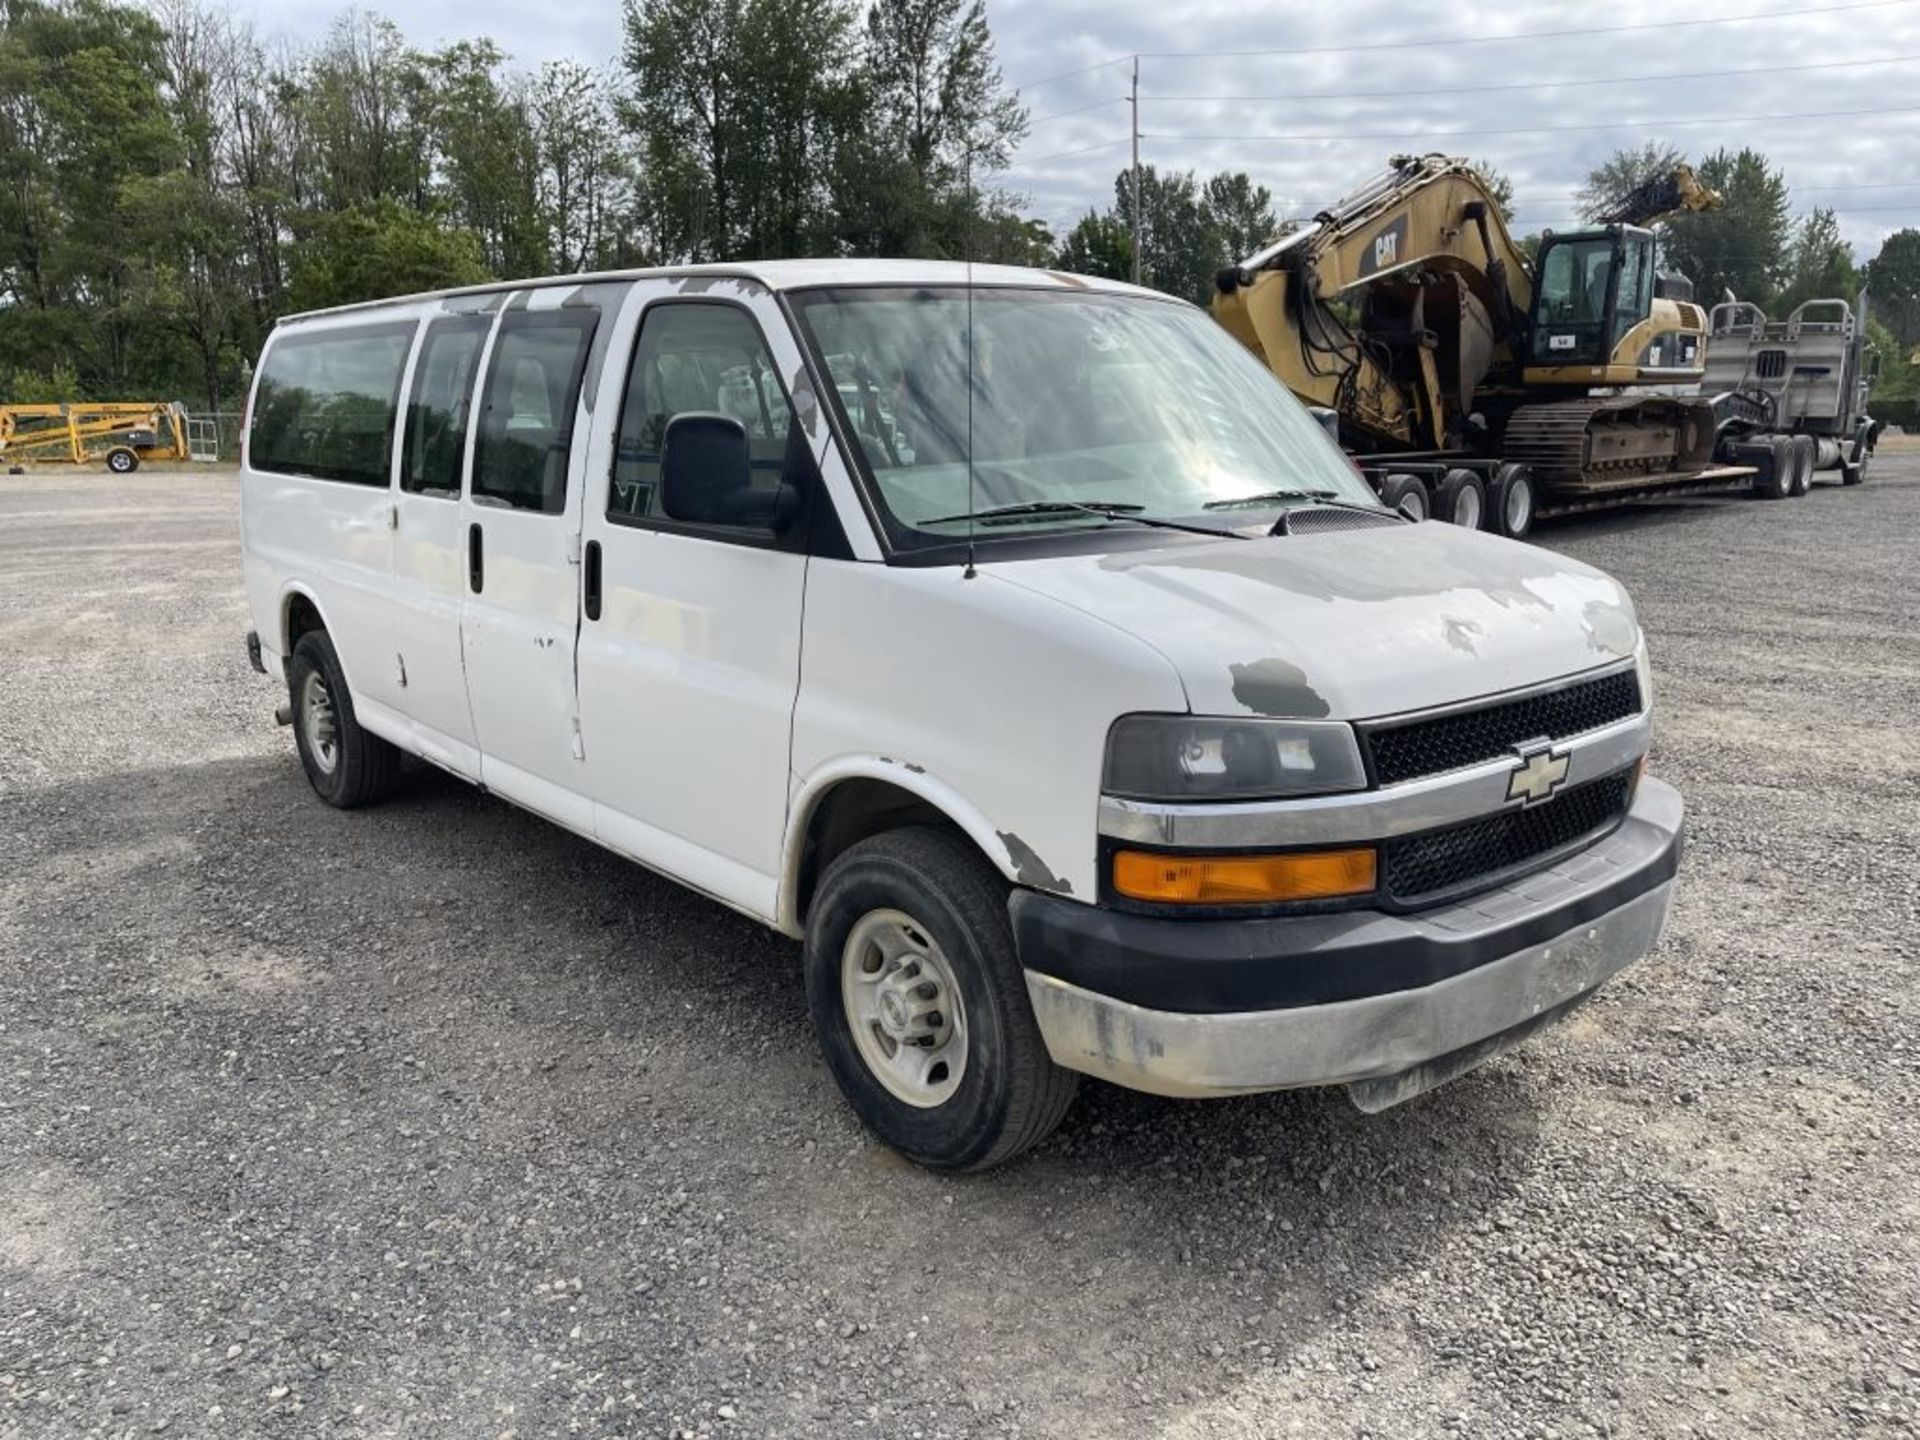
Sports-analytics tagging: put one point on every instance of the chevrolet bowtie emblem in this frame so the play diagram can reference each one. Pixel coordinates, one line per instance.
(1538, 773)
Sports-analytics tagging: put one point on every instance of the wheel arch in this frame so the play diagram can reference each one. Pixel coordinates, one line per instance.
(854, 798)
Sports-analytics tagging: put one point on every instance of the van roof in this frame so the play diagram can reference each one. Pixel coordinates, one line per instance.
(786, 275)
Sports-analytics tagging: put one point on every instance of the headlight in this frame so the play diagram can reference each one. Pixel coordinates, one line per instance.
(1186, 757)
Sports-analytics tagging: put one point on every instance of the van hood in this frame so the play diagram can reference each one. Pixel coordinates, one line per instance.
(1350, 624)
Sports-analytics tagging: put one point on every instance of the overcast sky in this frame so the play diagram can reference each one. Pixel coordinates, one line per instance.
(1865, 163)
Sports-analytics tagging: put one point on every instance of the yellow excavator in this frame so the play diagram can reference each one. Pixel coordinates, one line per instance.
(1466, 374)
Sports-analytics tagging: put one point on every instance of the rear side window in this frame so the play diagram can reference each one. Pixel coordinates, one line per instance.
(327, 404)
(695, 357)
(533, 386)
(437, 411)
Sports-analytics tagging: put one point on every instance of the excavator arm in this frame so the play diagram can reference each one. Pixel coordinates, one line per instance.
(1669, 194)
(1390, 306)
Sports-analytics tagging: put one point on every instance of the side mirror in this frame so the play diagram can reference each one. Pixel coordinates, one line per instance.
(706, 476)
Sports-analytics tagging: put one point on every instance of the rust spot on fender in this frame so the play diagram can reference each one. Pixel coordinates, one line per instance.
(1029, 868)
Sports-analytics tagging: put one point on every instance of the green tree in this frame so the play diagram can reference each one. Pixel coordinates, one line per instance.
(378, 248)
(1893, 283)
(1820, 265)
(1499, 186)
(1240, 215)
(1610, 182)
(483, 140)
(1742, 247)
(584, 184)
(1100, 244)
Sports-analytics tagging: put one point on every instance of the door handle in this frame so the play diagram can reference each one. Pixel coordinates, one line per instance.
(476, 560)
(590, 579)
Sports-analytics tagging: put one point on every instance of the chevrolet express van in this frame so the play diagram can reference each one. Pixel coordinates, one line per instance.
(1012, 639)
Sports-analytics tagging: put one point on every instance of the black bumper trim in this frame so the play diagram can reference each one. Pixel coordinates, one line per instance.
(1205, 967)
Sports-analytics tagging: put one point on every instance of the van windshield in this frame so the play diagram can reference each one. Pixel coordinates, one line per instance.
(1071, 397)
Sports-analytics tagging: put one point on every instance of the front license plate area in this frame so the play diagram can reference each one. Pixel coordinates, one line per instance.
(1386, 1091)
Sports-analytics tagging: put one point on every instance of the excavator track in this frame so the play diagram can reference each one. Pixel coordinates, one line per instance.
(1619, 442)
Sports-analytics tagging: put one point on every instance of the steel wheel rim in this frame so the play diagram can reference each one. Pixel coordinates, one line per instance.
(1519, 504)
(1466, 508)
(318, 723)
(904, 1008)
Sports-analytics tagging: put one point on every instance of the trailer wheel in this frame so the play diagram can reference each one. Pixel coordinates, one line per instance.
(123, 461)
(1407, 494)
(1461, 499)
(1512, 501)
(1774, 478)
(1805, 453)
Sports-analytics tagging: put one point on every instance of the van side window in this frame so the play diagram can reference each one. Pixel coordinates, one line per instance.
(443, 378)
(695, 357)
(327, 403)
(533, 387)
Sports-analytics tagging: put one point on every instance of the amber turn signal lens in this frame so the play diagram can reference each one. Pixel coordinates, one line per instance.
(1242, 879)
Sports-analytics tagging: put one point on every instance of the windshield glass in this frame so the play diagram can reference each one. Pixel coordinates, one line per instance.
(1075, 398)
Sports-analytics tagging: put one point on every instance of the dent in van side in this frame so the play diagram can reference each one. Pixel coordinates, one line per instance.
(1001, 697)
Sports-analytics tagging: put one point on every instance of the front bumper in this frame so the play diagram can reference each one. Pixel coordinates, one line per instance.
(1195, 1007)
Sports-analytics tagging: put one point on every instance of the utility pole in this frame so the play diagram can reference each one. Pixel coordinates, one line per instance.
(1134, 103)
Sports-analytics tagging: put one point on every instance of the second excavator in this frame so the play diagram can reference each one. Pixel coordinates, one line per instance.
(1408, 310)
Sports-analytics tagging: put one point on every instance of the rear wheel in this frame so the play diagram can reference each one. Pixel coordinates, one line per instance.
(123, 461)
(1407, 494)
(1512, 501)
(346, 765)
(921, 1006)
(1805, 454)
(1462, 499)
(1773, 478)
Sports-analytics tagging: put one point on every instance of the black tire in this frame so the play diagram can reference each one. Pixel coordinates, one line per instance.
(1512, 504)
(363, 768)
(123, 461)
(1855, 473)
(1805, 455)
(1461, 500)
(1009, 1094)
(1408, 491)
(1773, 478)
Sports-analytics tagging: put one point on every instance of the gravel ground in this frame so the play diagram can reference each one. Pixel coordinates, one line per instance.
(435, 1120)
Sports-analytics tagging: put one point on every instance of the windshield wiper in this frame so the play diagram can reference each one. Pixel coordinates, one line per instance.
(1105, 510)
(1322, 497)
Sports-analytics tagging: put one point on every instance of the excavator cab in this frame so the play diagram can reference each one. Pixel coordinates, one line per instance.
(1593, 288)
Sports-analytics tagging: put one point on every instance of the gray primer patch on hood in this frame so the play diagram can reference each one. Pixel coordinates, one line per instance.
(1275, 687)
(1029, 868)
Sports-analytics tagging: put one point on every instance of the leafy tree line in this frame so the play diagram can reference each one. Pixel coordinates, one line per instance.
(1753, 248)
(169, 185)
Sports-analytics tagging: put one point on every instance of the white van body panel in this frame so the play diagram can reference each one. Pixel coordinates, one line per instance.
(1001, 696)
(1351, 624)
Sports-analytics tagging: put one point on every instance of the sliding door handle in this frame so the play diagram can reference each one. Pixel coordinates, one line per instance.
(590, 580)
(476, 560)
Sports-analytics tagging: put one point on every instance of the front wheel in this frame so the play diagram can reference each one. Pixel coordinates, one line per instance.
(920, 1003)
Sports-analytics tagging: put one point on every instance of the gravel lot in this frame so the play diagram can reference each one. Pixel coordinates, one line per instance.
(436, 1120)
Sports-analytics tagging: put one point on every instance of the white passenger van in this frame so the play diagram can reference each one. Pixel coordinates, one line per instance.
(1011, 638)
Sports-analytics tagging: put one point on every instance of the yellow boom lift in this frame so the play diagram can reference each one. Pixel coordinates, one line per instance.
(1455, 362)
(121, 435)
